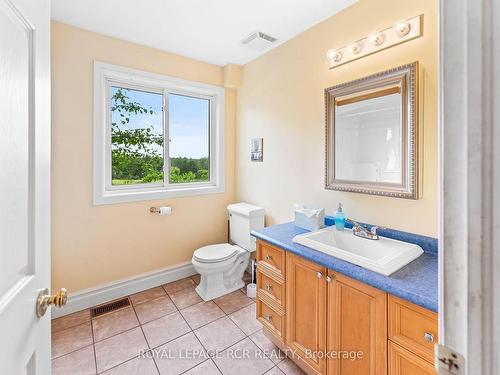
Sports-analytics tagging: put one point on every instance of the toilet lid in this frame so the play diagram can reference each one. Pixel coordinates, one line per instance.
(215, 253)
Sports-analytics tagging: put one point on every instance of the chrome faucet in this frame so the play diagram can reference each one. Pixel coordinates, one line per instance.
(362, 231)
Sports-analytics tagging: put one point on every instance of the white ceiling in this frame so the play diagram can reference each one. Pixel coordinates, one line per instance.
(206, 30)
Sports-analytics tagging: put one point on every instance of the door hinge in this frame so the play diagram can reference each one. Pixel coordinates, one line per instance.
(448, 362)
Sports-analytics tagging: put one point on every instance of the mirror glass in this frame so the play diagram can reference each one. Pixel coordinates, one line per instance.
(368, 142)
(371, 134)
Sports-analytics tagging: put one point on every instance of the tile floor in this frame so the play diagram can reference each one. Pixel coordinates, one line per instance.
(177, 333)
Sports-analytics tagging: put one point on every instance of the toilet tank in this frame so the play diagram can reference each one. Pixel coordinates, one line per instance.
(244, 218)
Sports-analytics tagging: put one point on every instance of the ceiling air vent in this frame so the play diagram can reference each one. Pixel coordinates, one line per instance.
(258, 41)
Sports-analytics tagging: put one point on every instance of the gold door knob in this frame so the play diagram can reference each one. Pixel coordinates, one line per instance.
(45, 299)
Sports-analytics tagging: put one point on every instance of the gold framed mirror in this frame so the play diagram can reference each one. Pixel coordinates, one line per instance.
(371, 134)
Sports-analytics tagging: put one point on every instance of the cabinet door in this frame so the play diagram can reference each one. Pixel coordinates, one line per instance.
(403, 362)
(306, 313)
(357, 322)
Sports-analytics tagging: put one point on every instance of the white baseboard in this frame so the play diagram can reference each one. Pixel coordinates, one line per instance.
(86, 298)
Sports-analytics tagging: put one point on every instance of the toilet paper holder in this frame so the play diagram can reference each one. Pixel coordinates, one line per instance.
(161, 210)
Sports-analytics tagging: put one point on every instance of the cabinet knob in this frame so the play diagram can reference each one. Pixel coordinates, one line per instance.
(429, 337)
(319, 275)
(269, 286)
(269, 257)
(269, 318)
(329, 279)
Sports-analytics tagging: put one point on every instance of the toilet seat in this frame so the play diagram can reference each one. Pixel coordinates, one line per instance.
(215, 253)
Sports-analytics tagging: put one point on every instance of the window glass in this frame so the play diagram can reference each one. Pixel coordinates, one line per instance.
(189, 151)
(136, 136)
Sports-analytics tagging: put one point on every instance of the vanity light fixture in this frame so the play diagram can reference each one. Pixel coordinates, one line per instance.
(401, 32)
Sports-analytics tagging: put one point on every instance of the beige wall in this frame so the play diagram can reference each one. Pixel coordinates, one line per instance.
(282, 101)
(92, 245)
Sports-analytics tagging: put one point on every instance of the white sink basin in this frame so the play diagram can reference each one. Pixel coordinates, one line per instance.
(384, 255)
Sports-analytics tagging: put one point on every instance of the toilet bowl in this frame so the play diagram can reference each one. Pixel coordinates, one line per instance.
(222, 266)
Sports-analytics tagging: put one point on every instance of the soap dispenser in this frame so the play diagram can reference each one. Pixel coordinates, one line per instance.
(339, 218)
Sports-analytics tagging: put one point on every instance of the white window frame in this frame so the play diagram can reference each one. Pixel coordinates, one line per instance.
(106, 75)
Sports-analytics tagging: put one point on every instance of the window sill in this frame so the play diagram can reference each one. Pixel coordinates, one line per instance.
(133, 195)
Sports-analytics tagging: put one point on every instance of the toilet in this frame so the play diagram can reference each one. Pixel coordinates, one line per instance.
(221, 266)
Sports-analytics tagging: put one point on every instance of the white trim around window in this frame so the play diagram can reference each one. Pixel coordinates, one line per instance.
(104, 193)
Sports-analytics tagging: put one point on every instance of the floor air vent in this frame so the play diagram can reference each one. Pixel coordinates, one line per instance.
(108, 307)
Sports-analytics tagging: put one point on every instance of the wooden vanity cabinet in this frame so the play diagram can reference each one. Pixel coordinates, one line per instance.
(306, 312)
(331, 313)
(357, 322)
(312, 312)
(271, 260)
(404, 362)
(413, 332)
(271, 289)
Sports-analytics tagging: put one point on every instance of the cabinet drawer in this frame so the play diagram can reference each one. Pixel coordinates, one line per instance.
(413, 327)
(272, 259)
(271, 288)
(403, 362)
(270, 318)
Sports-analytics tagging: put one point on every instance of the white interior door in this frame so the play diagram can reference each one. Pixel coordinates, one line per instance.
(469, 306)
(24, 184)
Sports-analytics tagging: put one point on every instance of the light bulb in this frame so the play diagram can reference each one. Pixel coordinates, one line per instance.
(403, 28)
(354, 48)
(377, 39)
(335, 56)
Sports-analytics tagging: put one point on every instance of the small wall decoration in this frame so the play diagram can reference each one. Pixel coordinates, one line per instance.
(256, 151)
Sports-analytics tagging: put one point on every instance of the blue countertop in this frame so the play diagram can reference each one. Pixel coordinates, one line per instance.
(417, 282)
